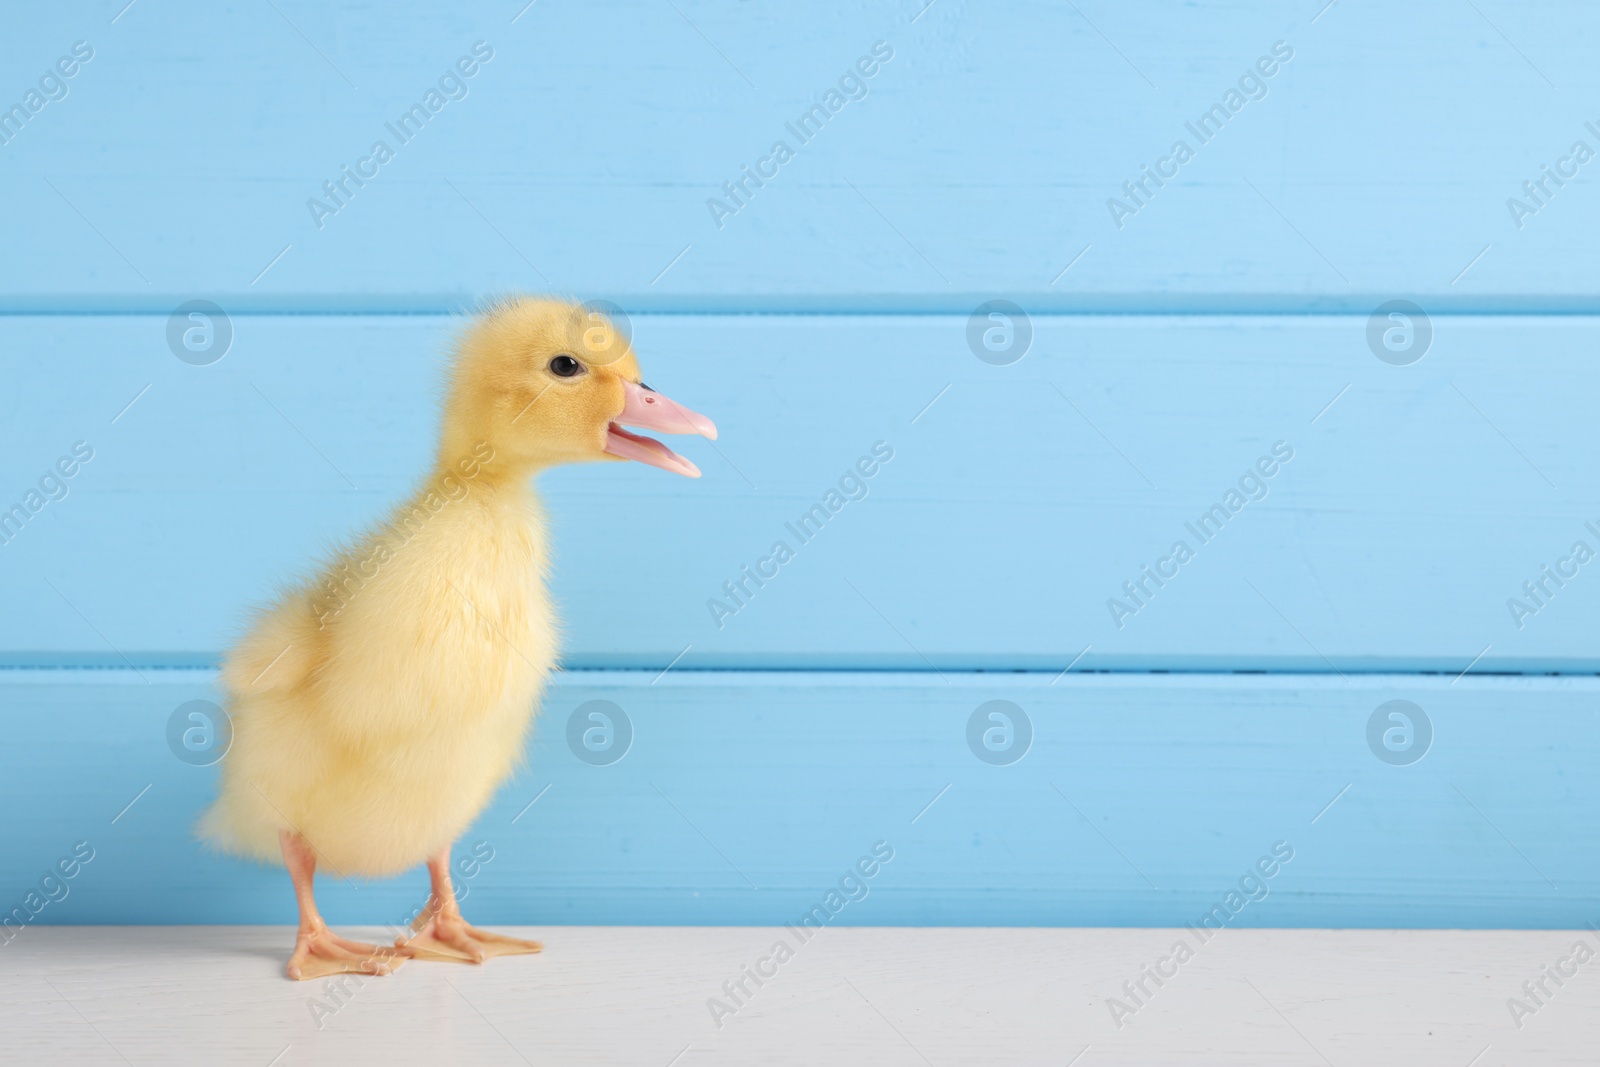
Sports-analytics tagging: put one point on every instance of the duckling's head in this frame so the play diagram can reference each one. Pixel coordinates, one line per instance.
(547, 382)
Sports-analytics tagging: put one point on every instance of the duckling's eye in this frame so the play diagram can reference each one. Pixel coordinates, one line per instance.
(564, 366)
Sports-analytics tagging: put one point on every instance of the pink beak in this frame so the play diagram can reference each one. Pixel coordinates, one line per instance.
(649, 410)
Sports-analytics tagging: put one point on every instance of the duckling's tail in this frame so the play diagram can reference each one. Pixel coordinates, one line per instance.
(228, 826)
(275, 658)
(278, 652)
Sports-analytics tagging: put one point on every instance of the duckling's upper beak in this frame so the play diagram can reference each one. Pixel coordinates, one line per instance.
(649, 410)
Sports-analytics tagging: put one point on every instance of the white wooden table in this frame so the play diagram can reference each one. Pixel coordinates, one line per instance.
(613, 995)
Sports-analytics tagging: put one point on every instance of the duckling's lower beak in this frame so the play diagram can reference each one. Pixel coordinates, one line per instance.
(649, 410)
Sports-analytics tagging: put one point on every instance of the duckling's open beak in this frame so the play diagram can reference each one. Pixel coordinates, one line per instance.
(649, 410)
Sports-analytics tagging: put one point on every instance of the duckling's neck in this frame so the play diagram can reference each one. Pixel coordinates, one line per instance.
(483, 491)
(479, 467)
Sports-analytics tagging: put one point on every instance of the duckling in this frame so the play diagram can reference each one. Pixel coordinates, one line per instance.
(377, 707)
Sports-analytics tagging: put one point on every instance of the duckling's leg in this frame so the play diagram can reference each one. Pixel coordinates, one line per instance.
(318, 951)
(440, 933)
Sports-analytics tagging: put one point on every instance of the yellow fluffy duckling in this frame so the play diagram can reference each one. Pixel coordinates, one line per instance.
(377, 707)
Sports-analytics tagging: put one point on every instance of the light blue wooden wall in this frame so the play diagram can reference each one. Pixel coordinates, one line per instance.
(1172, 347)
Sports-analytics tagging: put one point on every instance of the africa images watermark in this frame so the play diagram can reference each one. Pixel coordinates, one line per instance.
(52, 889)
(1252, 488)
(1531, 1001)
(852, 85)
(852, 486)
(1580, 553)
(1252, 87)
(352, 573)
(1252, 888)
(853, 885)
(52, 486)
(452, 85)
(52, 87)
(1579, 154)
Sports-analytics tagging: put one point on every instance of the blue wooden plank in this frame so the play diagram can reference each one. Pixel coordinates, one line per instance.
(1420, 500)
(744, 797)
(982, 158)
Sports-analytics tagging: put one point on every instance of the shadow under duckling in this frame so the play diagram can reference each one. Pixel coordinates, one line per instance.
(377, 707)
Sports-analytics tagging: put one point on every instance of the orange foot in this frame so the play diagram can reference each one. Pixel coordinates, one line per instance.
(319, 952)
(444, 935)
